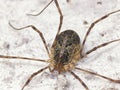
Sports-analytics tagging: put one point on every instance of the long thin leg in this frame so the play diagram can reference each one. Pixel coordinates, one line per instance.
(112, 80)
(33, 75)
(60, 13)
(36, 30)
(61, 16)
(93, 24)
(99, 46)
(42, 9)
(85, 86)
(22, 58)
(59, 10)
(61, 20)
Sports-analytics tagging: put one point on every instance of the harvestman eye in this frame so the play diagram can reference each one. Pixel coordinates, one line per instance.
(61, 58)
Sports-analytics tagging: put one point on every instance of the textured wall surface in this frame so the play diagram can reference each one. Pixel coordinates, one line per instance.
(78, 15)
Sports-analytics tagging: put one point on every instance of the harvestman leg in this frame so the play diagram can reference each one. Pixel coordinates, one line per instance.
(78, 78)
(99, 46)
(60, 13)
(92, 25)
(85, 86)
(33, 75)
(61, 16)
(61, 20)
(35, 29)
(112, 80)
(26, 58)
(41, 10)
(22, 58)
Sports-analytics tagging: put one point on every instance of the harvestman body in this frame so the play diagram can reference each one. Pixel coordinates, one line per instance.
(66, 49)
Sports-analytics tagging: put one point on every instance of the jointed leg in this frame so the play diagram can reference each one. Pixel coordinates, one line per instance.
(60, 13)
(59, 10)
(93, 24)
(85, 86)
(61, 16)
(99, 46)
(22, 58)
(112, 80)
(35, 29)
(33, 75)
(61, 20)
(42, 9)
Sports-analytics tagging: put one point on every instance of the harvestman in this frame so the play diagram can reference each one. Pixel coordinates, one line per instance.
(66, 49)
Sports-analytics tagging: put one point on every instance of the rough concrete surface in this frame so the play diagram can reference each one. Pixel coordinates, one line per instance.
(78, 15)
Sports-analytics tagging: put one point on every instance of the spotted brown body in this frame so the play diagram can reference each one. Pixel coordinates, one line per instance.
(65, 51)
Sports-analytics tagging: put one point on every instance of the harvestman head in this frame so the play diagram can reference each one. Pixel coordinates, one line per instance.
(66, 49)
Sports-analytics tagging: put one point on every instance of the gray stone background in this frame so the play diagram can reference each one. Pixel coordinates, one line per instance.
(105, 61)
